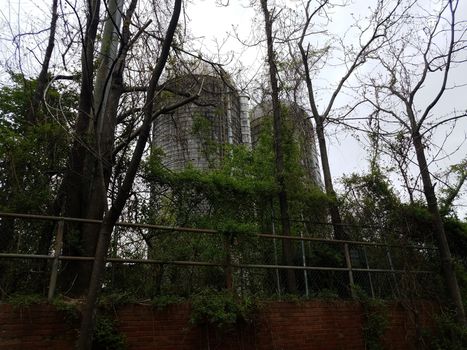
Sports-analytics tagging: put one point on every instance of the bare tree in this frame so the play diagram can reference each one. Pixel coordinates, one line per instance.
(112, 215)
(107, 112)
(381, 19)
(412, 62)
(279, 156)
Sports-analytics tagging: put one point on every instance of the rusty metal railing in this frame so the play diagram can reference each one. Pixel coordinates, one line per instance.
(56, 256)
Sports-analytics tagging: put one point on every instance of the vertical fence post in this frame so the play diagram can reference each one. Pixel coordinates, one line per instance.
(57, 252)
(273, 227)
(228, 263)
(349, 268)
(396, 284)
(305, 273)
(369, 273)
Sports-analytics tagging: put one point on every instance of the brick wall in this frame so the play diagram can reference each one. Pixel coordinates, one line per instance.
(322, 325)
(37, 327)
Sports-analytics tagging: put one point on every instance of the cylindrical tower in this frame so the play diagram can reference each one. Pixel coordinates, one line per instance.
(198, 132)
(302, 130)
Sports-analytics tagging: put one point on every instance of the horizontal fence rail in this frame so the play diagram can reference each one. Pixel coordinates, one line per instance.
(251, 266)
(199, 230)
(201, 263)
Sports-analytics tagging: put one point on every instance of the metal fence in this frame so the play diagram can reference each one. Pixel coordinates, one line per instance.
(151, 260)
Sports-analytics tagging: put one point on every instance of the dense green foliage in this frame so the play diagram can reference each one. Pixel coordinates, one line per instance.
(105, 336)
(238, 198)
(448, 334)
(32, 155)
(242, 186)
(19, 301)
(32, 159)
(220, 308)
(375, 322)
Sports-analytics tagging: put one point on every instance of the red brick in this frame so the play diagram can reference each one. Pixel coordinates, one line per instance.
(279, 325)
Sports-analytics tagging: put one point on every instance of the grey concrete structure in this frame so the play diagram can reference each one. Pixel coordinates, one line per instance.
(303, 133)
(245, 120)
(197, 133)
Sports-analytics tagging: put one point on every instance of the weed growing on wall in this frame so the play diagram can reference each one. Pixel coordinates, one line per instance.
(161, 302)
(222, 309)
(70, 310)
(107, 301)
(449, 334)
(106, 336)
(18, 301)
(375, 322)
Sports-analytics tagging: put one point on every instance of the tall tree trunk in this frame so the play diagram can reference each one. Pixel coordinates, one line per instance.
(339, 232)
(334, 213)
(109, 89)
(106, 97)
(76, 184)
(91, 157)
(287, 250)
(447, 265)
(111, 217)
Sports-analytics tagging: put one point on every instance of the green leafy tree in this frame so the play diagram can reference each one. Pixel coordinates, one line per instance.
(32, 159)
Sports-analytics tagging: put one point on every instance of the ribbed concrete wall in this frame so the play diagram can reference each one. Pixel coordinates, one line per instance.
(195, 133)
(303, 133)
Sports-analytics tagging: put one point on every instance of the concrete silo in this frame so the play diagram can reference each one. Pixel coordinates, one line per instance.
(303, 133)
(198, 132)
